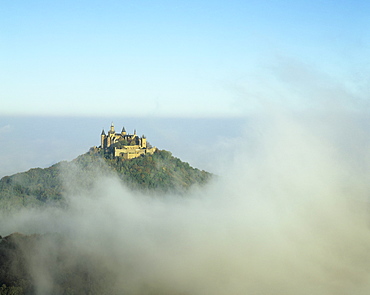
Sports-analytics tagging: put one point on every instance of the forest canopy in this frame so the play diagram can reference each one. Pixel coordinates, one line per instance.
(160, 173)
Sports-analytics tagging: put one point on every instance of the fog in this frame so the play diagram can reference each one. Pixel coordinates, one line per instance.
(287, 214)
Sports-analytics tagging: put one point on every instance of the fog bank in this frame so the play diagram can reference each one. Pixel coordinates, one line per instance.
(287, 215)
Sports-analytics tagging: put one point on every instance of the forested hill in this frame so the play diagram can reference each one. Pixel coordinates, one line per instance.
(158, 173)
(58, 268)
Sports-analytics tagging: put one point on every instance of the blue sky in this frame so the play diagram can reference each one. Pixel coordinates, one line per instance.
(179, 58)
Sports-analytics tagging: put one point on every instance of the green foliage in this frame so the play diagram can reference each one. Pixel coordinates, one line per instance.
(4, 290)
(158, 173)
(31, 189)
(68, 269)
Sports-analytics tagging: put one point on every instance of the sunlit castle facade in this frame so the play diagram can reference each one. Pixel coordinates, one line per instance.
(127, 146)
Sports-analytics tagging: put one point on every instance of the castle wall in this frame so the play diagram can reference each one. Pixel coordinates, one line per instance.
(128, 151)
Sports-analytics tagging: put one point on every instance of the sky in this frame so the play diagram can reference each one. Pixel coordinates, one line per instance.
(187, 74)
(273, 96)
(30, 142)
(177, 58)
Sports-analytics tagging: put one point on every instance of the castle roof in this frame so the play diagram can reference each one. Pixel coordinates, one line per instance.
(103, 132)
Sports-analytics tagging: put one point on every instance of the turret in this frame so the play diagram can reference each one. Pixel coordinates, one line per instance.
(102, 139)
(112, 129)
(123, 132)
(143, 142)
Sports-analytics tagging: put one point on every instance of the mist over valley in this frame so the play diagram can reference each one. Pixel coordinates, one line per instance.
(184, 148)
(288, 215)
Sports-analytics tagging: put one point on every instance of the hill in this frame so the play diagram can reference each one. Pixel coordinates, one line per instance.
(59, 263)
(157, 173)
(50, 264)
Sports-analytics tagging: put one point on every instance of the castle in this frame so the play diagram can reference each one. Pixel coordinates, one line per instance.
(127, 146)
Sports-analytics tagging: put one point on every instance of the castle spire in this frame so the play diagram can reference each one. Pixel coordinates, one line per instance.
(112, 128)
(103, 132)
(123, 132)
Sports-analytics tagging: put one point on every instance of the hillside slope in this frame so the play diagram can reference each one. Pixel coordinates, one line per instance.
(160, 173)
(49, 264)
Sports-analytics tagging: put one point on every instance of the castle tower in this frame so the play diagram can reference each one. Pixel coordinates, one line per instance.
(112, 129)
(129, 147)
(102, 139)
(143, 142)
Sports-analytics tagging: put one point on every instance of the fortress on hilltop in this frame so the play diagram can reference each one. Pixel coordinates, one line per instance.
(127, 146)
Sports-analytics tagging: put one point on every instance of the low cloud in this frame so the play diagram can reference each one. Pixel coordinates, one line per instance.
(288, 215)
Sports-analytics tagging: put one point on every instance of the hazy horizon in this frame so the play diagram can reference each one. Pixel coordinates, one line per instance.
(32, 141)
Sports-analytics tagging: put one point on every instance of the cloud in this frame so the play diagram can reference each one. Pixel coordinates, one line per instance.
(287, 216)
(300, 85)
